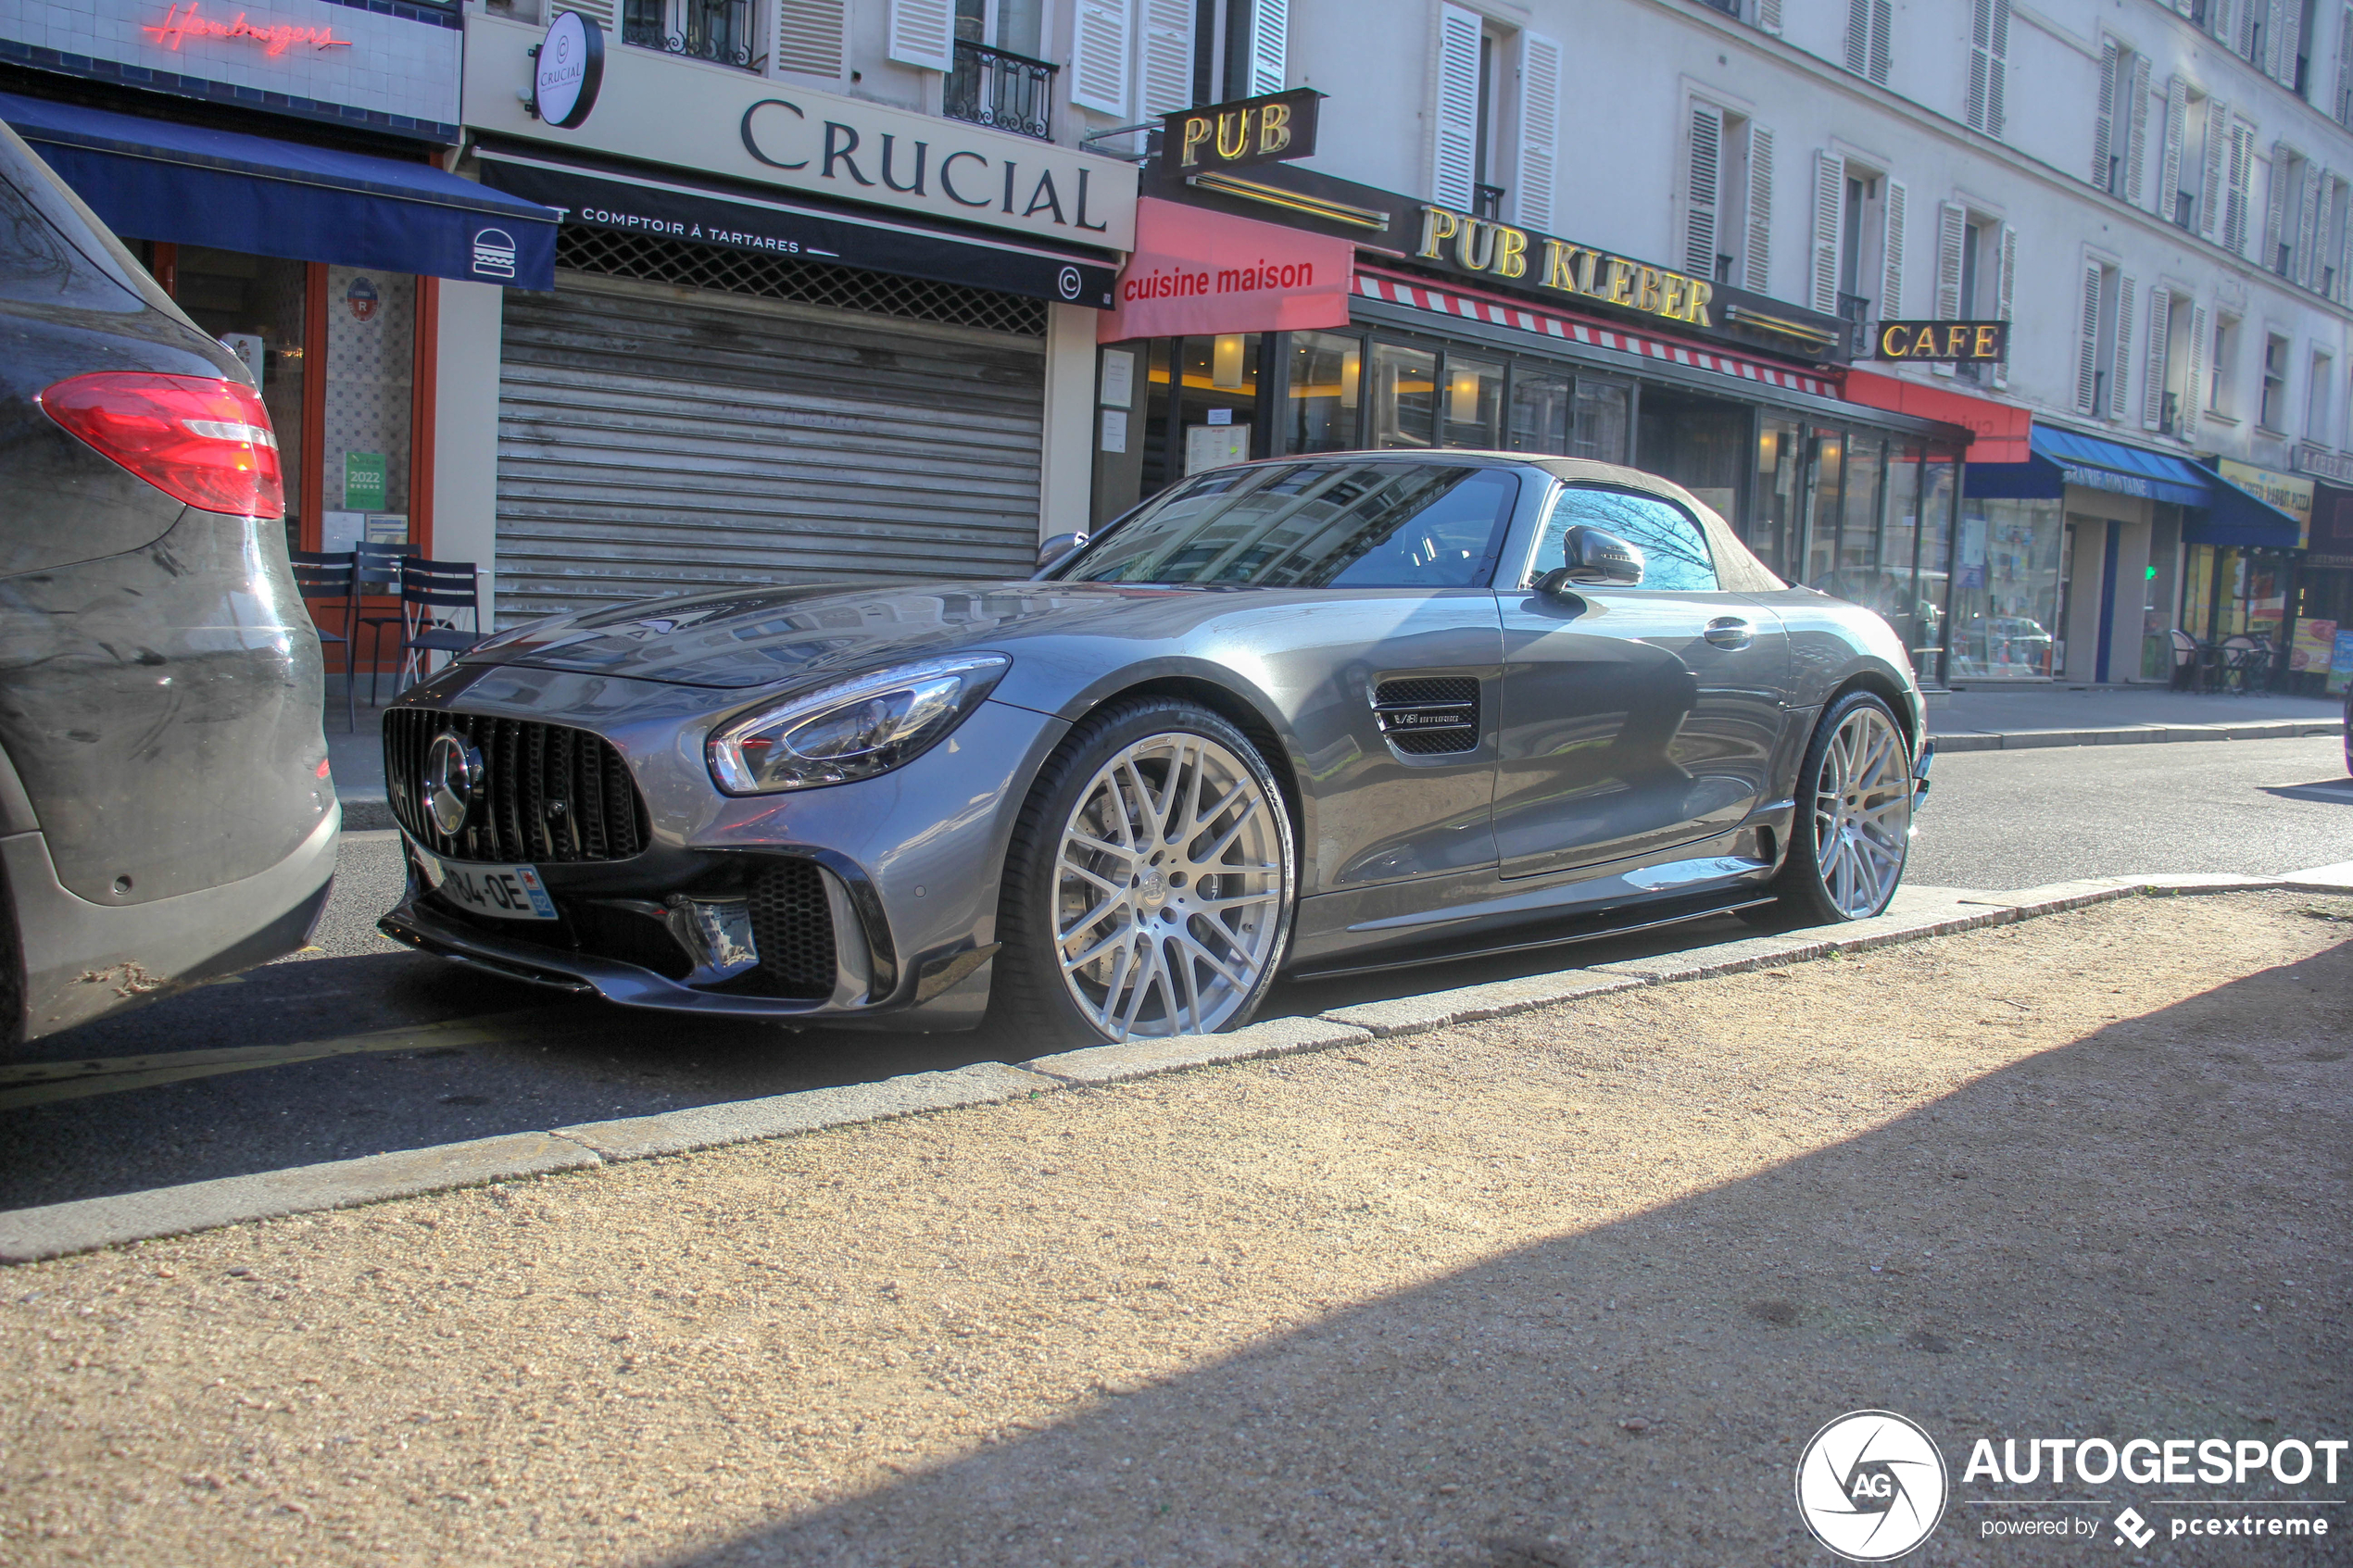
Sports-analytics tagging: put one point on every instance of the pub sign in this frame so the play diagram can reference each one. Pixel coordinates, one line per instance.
(1272, 128)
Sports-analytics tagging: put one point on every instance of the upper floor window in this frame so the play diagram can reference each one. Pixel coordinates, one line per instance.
(998, 80)
(702, 29)
(2272, 412)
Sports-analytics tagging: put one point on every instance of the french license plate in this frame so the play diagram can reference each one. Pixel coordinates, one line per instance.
(500, 892)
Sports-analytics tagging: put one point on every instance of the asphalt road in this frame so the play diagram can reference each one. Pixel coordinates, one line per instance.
(357, 1045)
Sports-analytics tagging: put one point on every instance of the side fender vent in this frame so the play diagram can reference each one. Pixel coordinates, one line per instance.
(1428, 716)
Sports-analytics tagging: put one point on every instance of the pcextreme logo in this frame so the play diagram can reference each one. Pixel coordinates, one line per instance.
(1871, 1485)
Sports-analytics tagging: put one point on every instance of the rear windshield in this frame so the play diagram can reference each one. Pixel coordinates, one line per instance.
(1341, 524)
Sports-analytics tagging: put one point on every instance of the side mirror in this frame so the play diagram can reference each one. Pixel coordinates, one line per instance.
(1058, 546)
(1593, 557)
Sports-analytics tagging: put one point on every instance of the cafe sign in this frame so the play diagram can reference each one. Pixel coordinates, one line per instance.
(1944, 342)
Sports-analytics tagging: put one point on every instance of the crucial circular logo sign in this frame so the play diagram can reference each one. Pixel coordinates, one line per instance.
(571, 68)
(453, 775)
(1070, 282)
(1871, 1485)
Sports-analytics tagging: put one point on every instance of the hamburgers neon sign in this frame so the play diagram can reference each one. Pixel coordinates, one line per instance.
(275, 38)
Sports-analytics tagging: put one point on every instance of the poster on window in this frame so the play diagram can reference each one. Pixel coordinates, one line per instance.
(2341, 663)
(2311, 647)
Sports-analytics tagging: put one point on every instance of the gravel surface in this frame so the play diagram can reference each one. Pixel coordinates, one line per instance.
(1569, 1288)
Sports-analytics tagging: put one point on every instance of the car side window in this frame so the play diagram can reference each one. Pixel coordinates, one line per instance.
(1674, 549)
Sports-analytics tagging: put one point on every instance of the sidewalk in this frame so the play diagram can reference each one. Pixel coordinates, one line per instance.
(1983, 718)
(1567, 1287)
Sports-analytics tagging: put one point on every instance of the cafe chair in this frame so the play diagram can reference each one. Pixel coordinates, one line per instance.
(377, 564)
(433, 593)
(330, 577)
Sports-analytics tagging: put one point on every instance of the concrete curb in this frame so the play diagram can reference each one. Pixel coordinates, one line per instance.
(2132, 735)
(31, 1234)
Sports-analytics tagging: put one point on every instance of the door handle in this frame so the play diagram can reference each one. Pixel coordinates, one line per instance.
(1729, 632)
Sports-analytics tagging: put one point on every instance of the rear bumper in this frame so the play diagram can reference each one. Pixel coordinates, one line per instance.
(83, 960)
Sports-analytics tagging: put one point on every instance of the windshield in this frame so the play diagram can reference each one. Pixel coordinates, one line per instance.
(1340, 524)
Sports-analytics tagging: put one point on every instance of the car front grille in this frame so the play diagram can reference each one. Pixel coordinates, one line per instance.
(1428, 716)
(793, 927)
(552, 795)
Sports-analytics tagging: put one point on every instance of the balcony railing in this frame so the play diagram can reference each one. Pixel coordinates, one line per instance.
(997, 88)
(718, 31)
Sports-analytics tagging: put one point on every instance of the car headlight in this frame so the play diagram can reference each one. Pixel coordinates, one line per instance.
(852, 731)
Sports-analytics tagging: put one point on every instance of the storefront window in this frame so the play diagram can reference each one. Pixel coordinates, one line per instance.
(1403, 396)
(1857, 569)
(255, 306)
(1700, 443)
(1474, 403)
(1604, 416)
(1822, 509)
(371, 371)
(1779, 459)
(1936, 561)
(1540, 404)
(1326, 373)
(2006, 588)
(1900, 597)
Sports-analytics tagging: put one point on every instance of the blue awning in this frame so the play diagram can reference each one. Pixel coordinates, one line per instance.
(161, 179)
(2242, 522)
(2126, 471)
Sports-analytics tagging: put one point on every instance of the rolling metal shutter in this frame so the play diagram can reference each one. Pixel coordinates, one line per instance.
(656, 440)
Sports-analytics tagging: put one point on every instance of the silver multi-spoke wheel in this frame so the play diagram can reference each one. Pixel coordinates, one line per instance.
(1862, 812)
(1171, 886)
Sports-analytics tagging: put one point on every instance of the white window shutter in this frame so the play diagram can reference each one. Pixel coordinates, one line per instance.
(2289, 24)
(923, 33)
(1454, 136)
(1164, 58)
(1882, 56)
(2250, 17)
(2308, 221)
(2137, 142)
(1890, 287)
(2006, 285)
(1952, 233)
(811, 36)
(2275, 213)
(2345, 67)
(1269, 46)
(1756, 271)
(2218, 133)
(2193, 386)
(1981, 55)
(1858, 35)
(1769, 17)
(2222, 20)
(1539, 130)
(1100, 51)
(2177, 114)
(2319, 272)
(1703, 189)
(2152, 374)
(2237, 179)
(2119, 369)
(2104, 116)
(2087, 342)
(1830, 227)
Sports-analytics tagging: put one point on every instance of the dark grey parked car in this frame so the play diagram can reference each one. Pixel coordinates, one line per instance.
(1303, 715)
(165, 809)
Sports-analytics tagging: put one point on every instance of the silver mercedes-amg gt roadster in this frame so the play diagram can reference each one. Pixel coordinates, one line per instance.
(1298, 717)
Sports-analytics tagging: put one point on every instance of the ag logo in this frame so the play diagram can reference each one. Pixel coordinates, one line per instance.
(1870, 1485)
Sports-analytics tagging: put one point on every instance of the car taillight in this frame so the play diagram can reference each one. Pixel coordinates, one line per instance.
(204, 440)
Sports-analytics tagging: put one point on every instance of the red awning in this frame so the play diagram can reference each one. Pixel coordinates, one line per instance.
(1199, 272)
(2002, 429)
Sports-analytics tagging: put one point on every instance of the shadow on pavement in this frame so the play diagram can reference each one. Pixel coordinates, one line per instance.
(2142, 1233)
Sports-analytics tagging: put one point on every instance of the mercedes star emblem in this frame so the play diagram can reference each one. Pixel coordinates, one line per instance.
(453, 775)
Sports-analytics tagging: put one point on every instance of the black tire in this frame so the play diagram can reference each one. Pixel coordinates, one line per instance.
(1029, 995)
(1805, 892)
